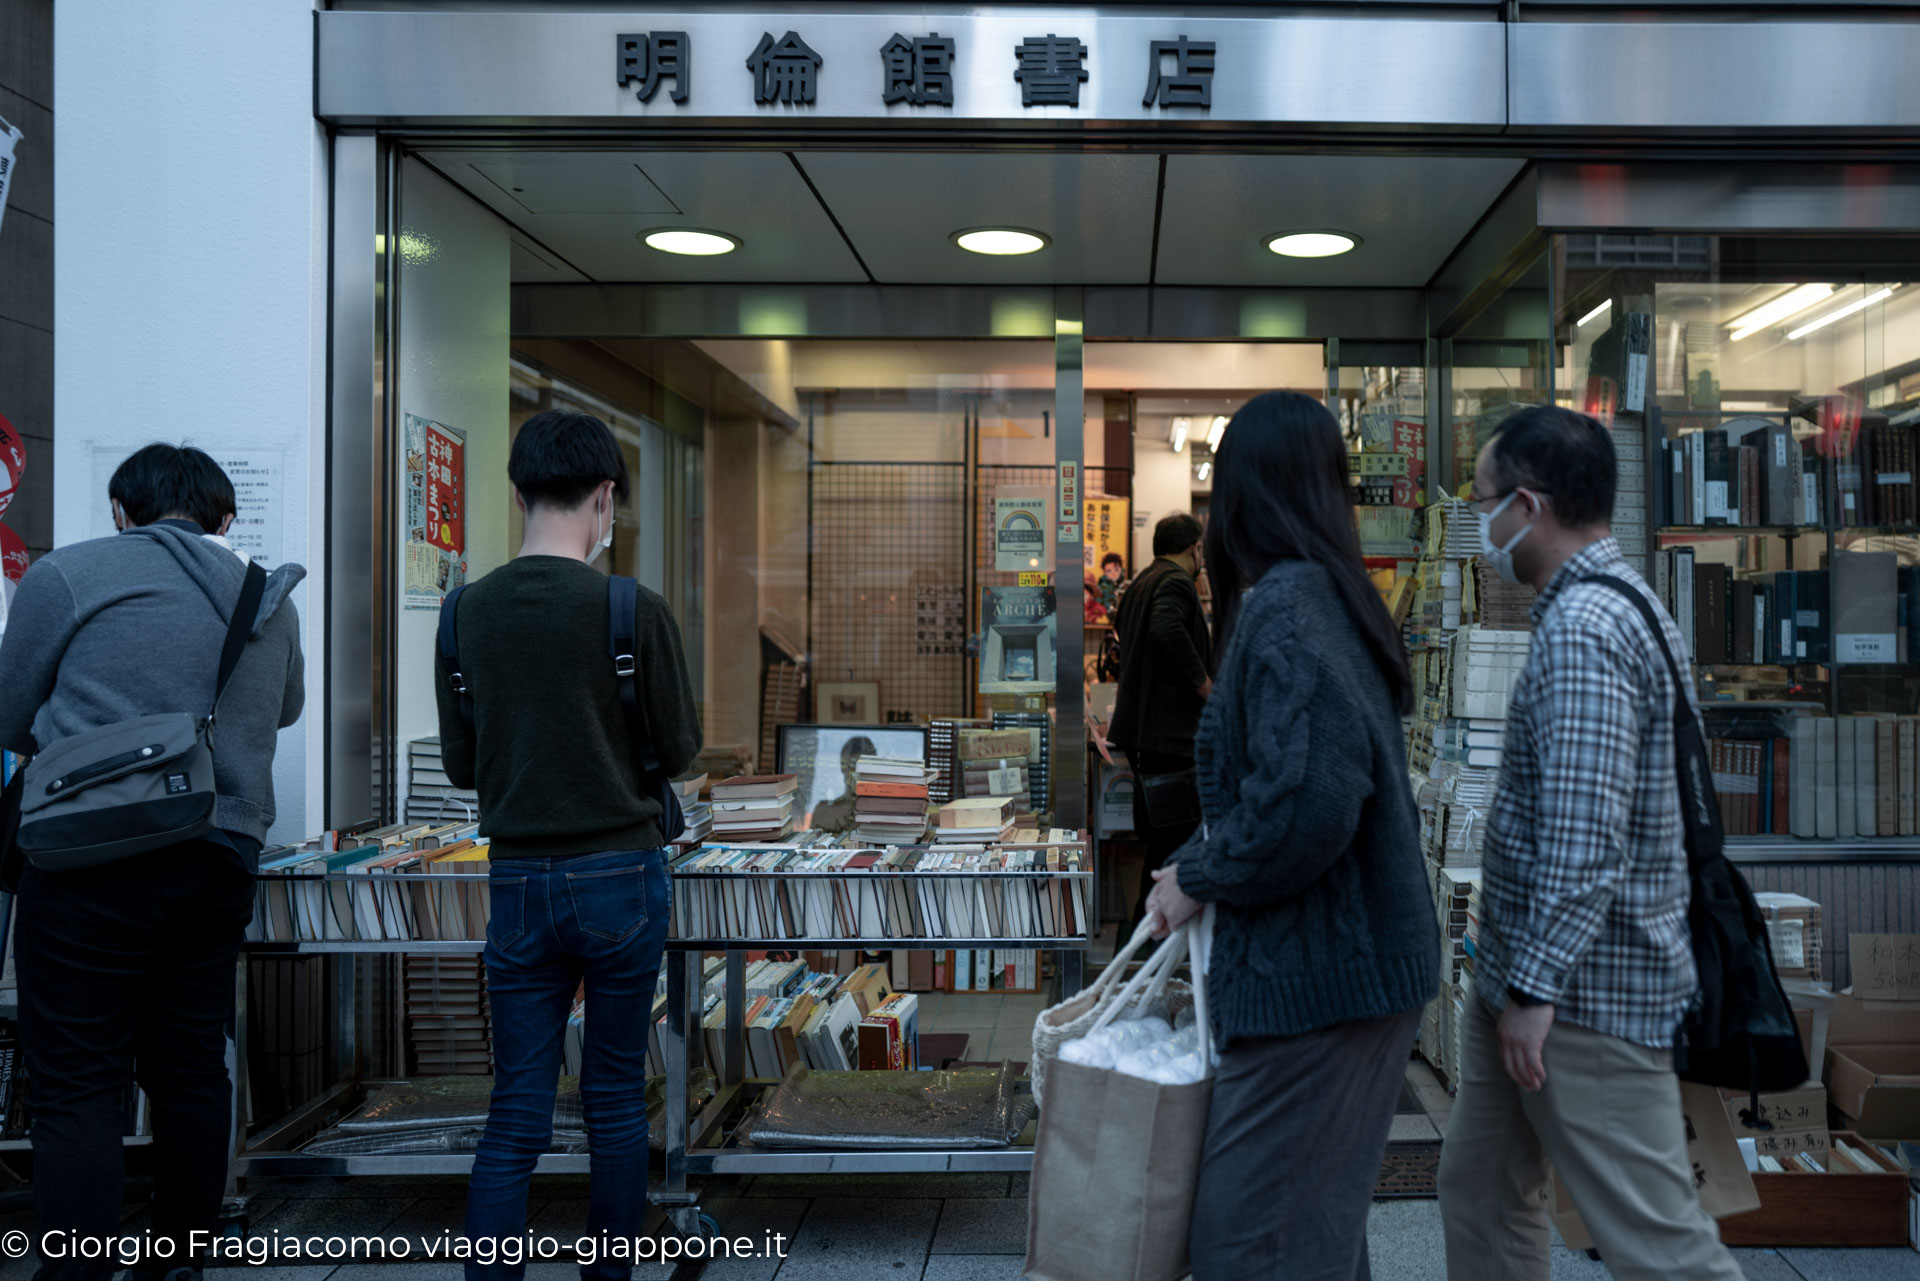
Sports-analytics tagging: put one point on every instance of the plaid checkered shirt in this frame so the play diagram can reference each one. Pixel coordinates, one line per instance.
(1585, 869)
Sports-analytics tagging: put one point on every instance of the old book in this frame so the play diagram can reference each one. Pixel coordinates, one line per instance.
(1865, 602)
(1847, 760)
(1742, 603)
(1903, 776)
(1867, 779)
(1886, 764)
(1813, 630)
(1720, 479)
(1780, 467)
(1749, 473)
(1826, 813)
(745, 787)
(1710, 613)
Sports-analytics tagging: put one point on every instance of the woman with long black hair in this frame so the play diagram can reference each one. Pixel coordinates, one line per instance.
(1325, 946)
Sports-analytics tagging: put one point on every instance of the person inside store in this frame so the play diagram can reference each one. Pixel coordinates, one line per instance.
(577, 872)
(1585, 964)
(1325, 947)
(1164, 682)
(836, 815)
(126, 968)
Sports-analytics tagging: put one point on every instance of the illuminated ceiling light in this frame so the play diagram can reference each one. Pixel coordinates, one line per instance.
(1177, 433)
(1594, 315)
(1000, 241)
(1841, 314)
(683, 240)
(1791, 303)
(1206, 470)
(1215, 430)
(1312, 244)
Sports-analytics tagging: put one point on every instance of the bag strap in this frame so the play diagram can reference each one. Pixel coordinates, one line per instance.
(246, 610)
(623, 602)
(450, 656)
(1689, 740)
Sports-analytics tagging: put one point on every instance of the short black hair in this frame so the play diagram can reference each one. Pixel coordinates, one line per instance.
(1113, 558)
(165, 480)
(560, 457)
(1175, 533)
(1564, 455)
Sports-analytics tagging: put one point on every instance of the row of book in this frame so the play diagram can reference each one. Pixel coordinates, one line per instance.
(1819, 776)
(918, 893)
(1755, 471)
(1863, 609)
(374, 897)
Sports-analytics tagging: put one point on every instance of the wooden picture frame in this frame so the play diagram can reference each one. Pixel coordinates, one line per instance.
(847, 703)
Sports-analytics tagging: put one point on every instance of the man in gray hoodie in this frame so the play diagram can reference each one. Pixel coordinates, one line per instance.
(127, 970)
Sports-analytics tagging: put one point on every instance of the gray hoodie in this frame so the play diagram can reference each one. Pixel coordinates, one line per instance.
(114, 628)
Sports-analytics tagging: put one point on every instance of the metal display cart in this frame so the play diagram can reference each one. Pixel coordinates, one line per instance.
(694, 1145)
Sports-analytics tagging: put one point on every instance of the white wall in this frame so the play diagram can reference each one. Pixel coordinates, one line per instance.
(453, 370)
(190, 274)
(1162, 485)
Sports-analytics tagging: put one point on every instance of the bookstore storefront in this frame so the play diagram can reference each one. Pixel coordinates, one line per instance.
(911, 327)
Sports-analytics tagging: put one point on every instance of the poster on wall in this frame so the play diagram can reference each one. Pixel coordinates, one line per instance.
(1020, 520)
(939, 620)
(1017, 643)
(1107, 544)
(13, 463)
(436, 538)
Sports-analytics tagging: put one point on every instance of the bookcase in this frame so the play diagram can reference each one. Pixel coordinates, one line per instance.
(1787, 549)
(916, 910)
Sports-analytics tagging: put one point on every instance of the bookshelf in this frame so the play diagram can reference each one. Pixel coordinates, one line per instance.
(1753, 691)
(706, 1143)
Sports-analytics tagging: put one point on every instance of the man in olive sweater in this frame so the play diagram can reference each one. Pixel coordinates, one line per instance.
(577, 874)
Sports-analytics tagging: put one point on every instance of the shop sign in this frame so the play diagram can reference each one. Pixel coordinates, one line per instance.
(1019, 528)
(917, 70)
(1069, 502)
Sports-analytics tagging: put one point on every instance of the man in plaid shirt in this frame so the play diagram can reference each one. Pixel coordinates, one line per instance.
(1585, 965)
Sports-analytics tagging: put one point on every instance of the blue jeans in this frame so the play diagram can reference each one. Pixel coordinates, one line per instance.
(598, 917)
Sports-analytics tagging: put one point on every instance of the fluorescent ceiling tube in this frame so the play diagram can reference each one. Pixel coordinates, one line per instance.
(1177, 433)
(1791, 303)
(1206, 469)
(1215, 430)
(1595, 314)
(1841, 314)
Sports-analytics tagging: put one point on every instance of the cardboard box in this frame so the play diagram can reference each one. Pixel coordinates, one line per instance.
(1719, 1171)
(1788, 1122)
(1840, 1208)
(1873, 1067)
(1886, 968)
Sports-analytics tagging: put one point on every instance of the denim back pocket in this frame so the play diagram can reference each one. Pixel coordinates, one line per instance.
(609, 904)
(507, 914)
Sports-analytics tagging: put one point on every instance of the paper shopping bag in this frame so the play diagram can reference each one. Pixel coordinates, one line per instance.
(1114, 1170)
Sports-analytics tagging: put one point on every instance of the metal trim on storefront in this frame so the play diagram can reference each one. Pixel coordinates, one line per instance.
(1835, 198)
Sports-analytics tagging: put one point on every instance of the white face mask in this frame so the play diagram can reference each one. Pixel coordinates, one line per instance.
(1501, 558)
(606, 540)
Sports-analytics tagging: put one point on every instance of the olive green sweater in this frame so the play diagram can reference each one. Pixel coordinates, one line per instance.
(550, 753)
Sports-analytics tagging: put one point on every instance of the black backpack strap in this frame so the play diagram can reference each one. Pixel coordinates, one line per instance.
(239, 628)
(623, 602)
(450, 655)
(1700, 811)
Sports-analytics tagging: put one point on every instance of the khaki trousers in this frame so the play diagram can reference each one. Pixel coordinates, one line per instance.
(1609, 1121)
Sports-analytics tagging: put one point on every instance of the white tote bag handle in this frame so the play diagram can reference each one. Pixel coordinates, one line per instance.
(1200, 949)
(1153, 974)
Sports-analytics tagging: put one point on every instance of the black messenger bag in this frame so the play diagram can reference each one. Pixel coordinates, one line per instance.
(133, 786)
(1740, 1033)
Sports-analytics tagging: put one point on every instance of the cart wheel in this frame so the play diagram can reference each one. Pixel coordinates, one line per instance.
(232, 1222)
(709, 1226)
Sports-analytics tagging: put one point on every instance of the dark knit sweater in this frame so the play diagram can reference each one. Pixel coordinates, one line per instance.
(1311, 846)
(553, 761)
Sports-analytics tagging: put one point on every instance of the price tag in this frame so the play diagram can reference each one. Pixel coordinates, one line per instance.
(1028, 579)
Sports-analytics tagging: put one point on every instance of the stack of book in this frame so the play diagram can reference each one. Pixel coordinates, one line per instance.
(1486, 664)
(943, 757)
(698, 813)
(994, 762)
(889, 1037)
(890, 801)
(449, 1030)
(1793, 928)
(977, 820)
(1039, 727)
(431, 795)
(1501, 605)
(754, 807)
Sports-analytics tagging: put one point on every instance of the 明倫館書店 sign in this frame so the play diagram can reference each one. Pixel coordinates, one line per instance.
(436, 542)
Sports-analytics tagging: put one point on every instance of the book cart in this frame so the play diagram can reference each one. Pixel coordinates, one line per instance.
(707, 1143)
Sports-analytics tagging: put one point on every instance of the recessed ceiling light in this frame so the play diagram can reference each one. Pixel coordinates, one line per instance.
(1000, 241)
(1312, 244)
(1772, 312)
(685, 240)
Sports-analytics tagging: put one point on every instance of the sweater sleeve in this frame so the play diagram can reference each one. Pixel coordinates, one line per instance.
(672, 717)
(1279, 833)
(293, 698)
(40, 625)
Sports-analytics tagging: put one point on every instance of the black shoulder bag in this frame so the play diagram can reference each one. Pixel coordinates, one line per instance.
(623, 595)
(1740, 1033)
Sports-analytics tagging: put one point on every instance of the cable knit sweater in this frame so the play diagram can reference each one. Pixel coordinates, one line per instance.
(1311, 845)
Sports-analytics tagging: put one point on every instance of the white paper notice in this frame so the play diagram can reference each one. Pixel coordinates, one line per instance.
(259, 522)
